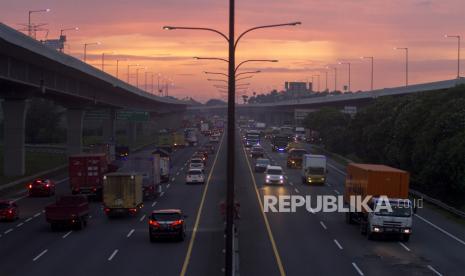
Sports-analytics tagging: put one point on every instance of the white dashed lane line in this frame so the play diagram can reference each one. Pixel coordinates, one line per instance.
(28, 220)
(67, 234)
(323, 225)
(168, 186)
(359, 271)
(113, 255)
(404, 246)
(36, 215)
(337, 192)
(130, 233)
(338, 244)
(20, 224)
(154, 203)
(440, 229)
(142, 218)
(162, 193)
(434, 270)
(40, 255)
(8, 231)
(296, 190)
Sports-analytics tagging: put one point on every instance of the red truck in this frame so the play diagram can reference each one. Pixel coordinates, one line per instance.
(86, 173)
(68, 211)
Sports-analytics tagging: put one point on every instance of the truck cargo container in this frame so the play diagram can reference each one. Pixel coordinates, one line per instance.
(369, 180)
(179, 140)
(165, 141)
(122, 193)
(68, 211)
(86, 173)
(205, 128)
(294, 157)
(314, 169)
(165, 164)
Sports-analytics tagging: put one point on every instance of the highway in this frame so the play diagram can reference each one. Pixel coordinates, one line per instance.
(299, 243)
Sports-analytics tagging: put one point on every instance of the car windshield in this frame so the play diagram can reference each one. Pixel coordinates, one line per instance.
(195, 172)
(166, 216)
(4, 205)
(274, 172)
(196, 161)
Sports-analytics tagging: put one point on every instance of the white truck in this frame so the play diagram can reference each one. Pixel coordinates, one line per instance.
(299, 134)
(204, 128)
(191, 136)
(314, 169)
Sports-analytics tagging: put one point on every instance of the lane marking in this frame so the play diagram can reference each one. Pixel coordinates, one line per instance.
(265, 218)
(154, 203)
(440, 229)
(177, 173)
(297, 191)
(162, 193)
(40, 255)
(8, 231)
(28, 220)
(168, 186)
(434, 270)
(142, 218)
(113, 255)
(323, 225)
(20, 224)
(67, 234)
(36, 215)
(337, 192)
(172, 179)
(199, 213)
(358, 269)
(338, 244)
(130, 233)
(404, 246)
(336, 169)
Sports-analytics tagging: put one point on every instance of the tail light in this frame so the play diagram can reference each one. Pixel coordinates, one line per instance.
(30, 186)
(106, 210)
(10, 211)
(47, 185)
(154, 223)
(133, 210)
(176, 223)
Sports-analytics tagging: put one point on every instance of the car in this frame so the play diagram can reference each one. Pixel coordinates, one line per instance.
(41, 187)
(203, 150)
(257, 151)
(200, 155)
(274, 175)
(261, 164)
(197, 165)
(8, 211)
(195, 176)
(214, 138)
(167, 223)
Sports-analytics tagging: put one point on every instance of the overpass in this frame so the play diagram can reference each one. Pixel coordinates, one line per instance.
(30, 69)
(273, 112)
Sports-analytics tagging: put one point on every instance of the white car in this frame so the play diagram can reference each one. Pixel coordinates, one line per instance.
(274, 175)
(197, 165)
(195, 176)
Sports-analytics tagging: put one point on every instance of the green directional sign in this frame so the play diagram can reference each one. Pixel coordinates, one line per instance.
(138, 116)
(96, 115)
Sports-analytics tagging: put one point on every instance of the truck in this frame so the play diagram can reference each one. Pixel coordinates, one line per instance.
(178, 140)
(164, 164)
(314, 169)
(165, 141)
(121, 152)
(299, 134)
(191, 136)
(295, 156)
(260, 126)
(376, 181)
(204, 128)
(122, 193)
(69, 210)
(86, 173)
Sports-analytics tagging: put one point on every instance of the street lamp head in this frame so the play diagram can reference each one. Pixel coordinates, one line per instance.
(274, 60)
(47, 10)
(77, 28)
(169, 28)
(196, 58)
(295, 23)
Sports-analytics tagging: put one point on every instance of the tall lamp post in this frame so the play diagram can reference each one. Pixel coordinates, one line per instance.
(232, 69)
(458, 51)
(137, 75)
(372, 69)
(318, 76)
(145, 80)
(117, 66)
(29, 24)
(406, 63)
(129, 70)
(85, 48)
(348, 64)
(103, 59)
(62, 35)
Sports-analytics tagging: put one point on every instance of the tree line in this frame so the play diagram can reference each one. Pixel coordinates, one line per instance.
(422, 133)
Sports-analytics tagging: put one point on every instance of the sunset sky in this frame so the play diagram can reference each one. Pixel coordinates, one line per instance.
(332, 31)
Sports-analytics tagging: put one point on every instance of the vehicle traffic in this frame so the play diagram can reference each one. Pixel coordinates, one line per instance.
(122, 194)
(295, 157)
(313, 169)
(68, 211)
(8, 211)
(195, 176)
(274, 175)
(167, 223)
(261, 164)
(41, 187)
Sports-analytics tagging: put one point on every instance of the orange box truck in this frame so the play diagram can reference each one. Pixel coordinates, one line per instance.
(384, 186)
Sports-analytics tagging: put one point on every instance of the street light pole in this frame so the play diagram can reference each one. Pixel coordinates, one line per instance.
(372, 69)
(458, 52)
(129, 68)
(318, 90)
(137, 76)
(347, 63)
(406, 63)
(335, 78)
(85, 48)
(29, 24)
(326, 80)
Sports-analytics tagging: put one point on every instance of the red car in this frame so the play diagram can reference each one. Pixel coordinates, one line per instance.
(8, 211)
(41, 187)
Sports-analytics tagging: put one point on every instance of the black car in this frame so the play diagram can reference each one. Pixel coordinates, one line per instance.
(261, 164)
(257, 151)
(168, 223)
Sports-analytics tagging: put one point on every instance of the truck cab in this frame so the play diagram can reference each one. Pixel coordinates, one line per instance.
(295, 156)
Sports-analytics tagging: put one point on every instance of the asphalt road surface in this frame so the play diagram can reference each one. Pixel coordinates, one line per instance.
(299, 243)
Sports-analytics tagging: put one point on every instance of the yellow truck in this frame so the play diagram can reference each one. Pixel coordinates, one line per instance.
(122, 193)
(179, 141)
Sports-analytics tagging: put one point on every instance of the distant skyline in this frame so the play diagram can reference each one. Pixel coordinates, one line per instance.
(332, 31)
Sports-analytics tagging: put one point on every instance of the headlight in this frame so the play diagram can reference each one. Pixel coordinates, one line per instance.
(267, 177)
(376, 229)
(407, 231)
(281, 177)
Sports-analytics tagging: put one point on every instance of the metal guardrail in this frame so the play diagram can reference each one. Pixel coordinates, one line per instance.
(413, 192)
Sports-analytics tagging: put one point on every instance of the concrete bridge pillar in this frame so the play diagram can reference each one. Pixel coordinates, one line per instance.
(75, 119)
(14, 126)
(109, 126)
